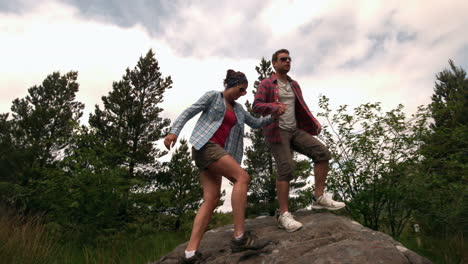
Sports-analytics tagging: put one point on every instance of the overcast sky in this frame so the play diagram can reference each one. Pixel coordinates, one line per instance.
(354, 51)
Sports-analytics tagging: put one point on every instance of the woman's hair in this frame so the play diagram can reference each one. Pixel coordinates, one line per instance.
(234, 78)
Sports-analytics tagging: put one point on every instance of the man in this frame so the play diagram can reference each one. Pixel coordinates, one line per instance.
(293, 131)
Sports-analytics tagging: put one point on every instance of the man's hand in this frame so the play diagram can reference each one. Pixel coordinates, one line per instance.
(170, 141)
(281, 108)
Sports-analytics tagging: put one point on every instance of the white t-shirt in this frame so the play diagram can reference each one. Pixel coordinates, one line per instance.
(287, 120)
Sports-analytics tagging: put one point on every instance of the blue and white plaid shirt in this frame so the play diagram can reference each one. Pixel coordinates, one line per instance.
(213, 106)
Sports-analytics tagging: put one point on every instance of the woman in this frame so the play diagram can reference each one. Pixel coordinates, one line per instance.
(217, 141)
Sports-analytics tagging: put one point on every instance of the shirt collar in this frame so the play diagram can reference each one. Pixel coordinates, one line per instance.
(275, 79)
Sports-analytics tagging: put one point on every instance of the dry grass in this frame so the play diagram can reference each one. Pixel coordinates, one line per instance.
(23, 240)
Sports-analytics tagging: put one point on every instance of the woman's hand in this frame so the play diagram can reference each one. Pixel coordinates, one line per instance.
(170, 140)
(281, 108)
(279, 111)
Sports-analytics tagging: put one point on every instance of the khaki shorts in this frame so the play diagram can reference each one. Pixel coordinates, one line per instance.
(301, 142)
(208, 154)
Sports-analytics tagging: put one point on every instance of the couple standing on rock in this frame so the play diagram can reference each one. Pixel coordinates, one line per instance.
(217, 150)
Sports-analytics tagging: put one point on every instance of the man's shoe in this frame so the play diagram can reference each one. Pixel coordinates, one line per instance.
(325, 202)
(286, 221)
(249, 241)
(195, 259)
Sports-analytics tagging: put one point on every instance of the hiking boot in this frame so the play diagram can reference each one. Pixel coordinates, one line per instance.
(249, 241)
(195, 259)
(325, 202)
(286, 221)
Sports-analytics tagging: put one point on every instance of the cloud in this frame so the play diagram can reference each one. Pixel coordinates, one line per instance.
(16, 7)
(149, 14)
(51, 37)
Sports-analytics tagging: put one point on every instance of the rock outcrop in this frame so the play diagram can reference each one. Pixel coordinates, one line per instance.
(325, 238)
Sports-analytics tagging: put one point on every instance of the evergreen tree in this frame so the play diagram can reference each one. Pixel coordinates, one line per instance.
(261, 167)
(259, 161)
(131, 123)
(86, 192)
(44, 120)
(444, 167)
(37, 134)
(180, 184)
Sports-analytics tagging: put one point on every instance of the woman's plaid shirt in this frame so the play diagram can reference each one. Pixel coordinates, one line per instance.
(213, 106)
(264, 103)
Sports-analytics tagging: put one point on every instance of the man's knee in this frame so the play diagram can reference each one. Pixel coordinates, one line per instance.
(319, 154)
(324, 155)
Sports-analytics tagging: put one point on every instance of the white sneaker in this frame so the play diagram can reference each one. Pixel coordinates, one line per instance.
(325, 202)
(286, 221)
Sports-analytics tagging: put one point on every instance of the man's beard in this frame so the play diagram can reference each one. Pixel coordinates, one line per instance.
(282, 71)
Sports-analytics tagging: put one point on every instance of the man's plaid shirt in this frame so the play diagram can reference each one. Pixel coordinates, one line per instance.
(213, 106)
(264, 103)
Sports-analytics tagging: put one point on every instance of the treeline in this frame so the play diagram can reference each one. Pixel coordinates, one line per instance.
(95, 181)
(92, 182)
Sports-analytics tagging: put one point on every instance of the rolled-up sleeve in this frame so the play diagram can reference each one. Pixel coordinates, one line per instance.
(254, 122)
(201, 104)
(260, 105)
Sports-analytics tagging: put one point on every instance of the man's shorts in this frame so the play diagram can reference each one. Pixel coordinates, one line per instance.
(208, 154)
(300, 141)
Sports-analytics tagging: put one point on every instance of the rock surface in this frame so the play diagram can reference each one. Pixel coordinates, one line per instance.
(325, 239)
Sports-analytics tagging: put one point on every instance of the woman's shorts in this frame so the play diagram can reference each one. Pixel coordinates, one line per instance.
(208, 154)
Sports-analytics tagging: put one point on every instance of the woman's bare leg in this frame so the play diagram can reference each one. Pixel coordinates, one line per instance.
(229, 168)
(211, 184)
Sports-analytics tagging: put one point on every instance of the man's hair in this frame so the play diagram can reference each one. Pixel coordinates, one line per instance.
(275, 55)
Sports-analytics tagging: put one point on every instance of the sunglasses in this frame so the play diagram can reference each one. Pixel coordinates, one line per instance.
(284, 59)
(242, 90)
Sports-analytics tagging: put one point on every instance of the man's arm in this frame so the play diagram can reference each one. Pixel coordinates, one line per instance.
(260, 104)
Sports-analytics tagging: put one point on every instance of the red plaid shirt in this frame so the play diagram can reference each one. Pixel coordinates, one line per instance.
(264, 103)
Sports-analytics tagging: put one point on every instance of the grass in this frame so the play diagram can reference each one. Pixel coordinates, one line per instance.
(452, 250)
(25, 240)
(142, 250)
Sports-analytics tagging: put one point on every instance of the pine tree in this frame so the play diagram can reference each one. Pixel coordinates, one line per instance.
(37, 134)
(444, 171)
(131, 123)
(44, 120)
(450, 99)
(180, 184)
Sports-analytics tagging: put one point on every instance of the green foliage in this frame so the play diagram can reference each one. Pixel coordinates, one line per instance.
(129, 125)
(86, 193)
(259, 161)
(90, 183)
(34, 138)
(373, 156)
(130, 121)
(443, 173)
(180, 185)
(447, 250)
(25, 240)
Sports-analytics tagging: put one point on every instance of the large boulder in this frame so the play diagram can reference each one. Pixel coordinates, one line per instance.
(325, 238)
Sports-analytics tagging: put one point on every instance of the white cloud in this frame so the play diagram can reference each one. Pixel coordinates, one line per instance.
(51, 38)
